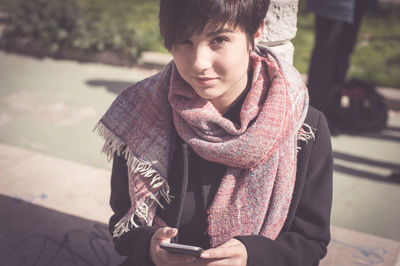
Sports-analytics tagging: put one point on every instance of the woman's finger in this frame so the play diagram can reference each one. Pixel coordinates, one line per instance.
(165, 233)
(232, 252)
(162, 257)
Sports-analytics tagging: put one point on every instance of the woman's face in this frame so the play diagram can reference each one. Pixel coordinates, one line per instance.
(215, 64)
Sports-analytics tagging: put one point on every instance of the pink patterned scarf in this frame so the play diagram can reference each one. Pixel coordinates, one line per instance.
(256, 190)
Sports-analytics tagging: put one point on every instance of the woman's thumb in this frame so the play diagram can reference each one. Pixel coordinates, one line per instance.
(170, 232)
(166, 233)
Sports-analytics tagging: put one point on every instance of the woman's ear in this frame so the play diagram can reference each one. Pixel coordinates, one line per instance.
(259, 33)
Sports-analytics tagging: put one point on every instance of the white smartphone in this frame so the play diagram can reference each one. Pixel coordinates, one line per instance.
(181, 249)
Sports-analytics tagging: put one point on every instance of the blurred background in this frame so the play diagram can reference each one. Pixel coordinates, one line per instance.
(119, 31)
(62, 63)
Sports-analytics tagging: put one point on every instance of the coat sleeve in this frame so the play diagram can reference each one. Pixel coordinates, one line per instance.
(306, 234)
(135, 243)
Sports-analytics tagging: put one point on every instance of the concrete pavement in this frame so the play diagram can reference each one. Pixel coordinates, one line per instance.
(54, 212)
(53, 175)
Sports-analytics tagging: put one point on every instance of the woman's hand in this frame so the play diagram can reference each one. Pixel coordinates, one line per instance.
(161, 257)
(230, 253)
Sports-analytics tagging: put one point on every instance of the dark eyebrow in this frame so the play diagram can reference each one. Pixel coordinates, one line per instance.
(217, 32)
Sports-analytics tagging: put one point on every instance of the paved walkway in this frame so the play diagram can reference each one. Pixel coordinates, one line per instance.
(54, 183)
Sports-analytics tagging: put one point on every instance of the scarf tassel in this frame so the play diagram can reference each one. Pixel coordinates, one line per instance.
(114, 144)
(305, 134)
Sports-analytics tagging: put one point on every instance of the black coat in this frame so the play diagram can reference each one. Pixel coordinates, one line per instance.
(302, 241)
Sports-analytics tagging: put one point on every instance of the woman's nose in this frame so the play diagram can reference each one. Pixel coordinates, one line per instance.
(202, 59)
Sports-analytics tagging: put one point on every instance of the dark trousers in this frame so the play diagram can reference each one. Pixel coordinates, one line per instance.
(334, 43)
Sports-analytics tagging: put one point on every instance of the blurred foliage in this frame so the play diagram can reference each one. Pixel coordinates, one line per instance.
(376, 57)
(50, 23)
(124, 27)
(128, 27)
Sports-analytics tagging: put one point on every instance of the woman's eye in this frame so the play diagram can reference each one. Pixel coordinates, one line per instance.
(220, 40)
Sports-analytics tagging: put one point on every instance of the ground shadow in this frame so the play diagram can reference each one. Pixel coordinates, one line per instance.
(382, 135)
(37, 236)
(111, 85)
(392, 128)
(18, 46)
(362, 173)
(357, 159)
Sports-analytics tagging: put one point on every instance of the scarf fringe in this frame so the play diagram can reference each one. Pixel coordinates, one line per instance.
(305, 133)
(113, 144)
(126, 223)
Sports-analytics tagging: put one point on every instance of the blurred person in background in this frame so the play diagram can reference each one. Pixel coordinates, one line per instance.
(220, 149)
(337, 23)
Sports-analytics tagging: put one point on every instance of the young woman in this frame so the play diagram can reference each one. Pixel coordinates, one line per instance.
(219, 150)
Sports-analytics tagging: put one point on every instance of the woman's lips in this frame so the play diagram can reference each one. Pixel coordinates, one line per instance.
(205, 80)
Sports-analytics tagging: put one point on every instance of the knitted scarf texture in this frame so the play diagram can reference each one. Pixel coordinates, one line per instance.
(260, 153)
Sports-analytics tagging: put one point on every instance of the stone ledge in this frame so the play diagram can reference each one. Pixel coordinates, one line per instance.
(348, 247)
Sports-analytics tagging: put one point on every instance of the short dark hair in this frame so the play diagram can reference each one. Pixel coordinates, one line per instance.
(179, 19)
